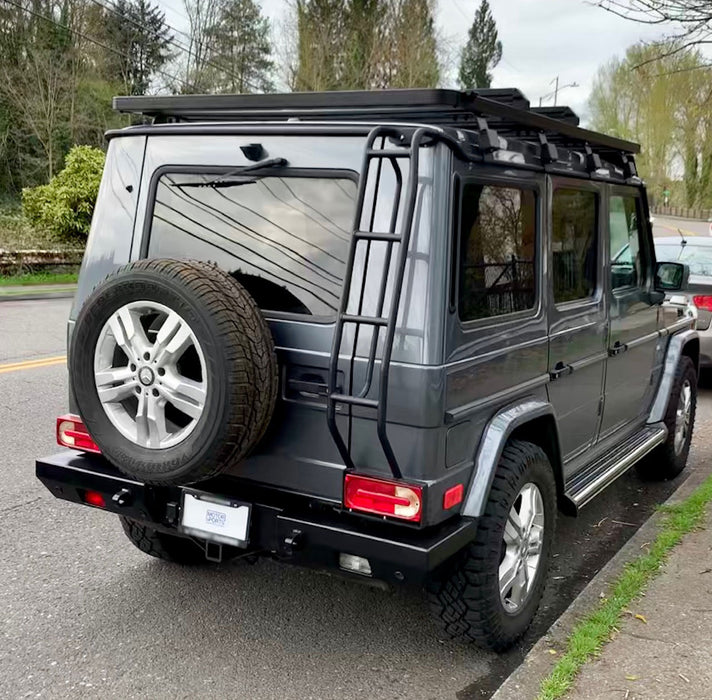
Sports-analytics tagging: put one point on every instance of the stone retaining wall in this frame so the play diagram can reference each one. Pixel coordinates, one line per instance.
(16, 261)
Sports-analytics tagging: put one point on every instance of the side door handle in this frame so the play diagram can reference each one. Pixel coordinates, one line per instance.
(560, 370)
(617, 349)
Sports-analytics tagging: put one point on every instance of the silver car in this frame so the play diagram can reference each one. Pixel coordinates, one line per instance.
(697, 253)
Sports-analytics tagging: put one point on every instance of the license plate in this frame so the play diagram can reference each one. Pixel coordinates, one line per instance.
(214, 518)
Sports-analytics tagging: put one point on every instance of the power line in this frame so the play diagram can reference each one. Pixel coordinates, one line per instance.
(86, 37)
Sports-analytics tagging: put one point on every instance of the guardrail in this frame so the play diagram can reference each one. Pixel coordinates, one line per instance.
(683, 212)
(13, 262)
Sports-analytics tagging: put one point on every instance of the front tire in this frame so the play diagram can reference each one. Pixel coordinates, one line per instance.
(669, 459)
(490, 592)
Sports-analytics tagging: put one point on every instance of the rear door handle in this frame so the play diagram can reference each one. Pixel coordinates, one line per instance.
(560, 370)
(617, 349)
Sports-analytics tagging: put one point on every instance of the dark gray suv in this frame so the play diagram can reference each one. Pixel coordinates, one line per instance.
(380, 333)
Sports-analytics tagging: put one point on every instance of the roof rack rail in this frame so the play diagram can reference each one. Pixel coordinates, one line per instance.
(506, 109)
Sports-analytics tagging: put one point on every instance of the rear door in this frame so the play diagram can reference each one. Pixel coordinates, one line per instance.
(633, 332)
(284, 234)
(577, 315)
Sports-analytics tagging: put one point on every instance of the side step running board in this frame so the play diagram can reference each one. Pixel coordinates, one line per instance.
(585, 485)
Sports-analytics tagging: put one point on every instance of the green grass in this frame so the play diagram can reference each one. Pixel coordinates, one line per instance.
(34, 278)
(590, 634)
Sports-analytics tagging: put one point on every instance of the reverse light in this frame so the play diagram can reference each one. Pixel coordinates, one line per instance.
(382, 497)
(71, 432)
(453, 496)
(703, 302)
(93, 498)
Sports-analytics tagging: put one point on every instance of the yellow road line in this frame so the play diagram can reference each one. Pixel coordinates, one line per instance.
(32, 364)
(676, 229)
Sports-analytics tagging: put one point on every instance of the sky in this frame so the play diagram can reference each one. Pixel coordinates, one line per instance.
(541, 39)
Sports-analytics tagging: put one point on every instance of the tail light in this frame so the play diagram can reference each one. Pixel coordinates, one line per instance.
(703, 302)
(71, 432)
(383, 497)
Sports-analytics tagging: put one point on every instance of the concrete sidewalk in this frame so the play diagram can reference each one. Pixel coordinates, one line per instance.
(667, 653)
(36, 291)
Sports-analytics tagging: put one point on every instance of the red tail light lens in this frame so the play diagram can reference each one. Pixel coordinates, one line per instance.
(93, 498)
(71, 432)
(703, 302)
(453, 496)
(382, 497)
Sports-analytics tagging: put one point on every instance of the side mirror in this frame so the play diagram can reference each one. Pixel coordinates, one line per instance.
(671, 276)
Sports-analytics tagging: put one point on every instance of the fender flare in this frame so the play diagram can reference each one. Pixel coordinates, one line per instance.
(672, 357)
(495, 437)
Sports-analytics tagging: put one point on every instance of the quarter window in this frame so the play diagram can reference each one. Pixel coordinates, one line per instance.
(496, 251)
(627, 269)
(574, 244)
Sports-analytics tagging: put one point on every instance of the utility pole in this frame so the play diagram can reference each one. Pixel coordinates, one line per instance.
(557, 90)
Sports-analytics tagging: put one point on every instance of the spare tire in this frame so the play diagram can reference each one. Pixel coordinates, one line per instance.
(174, 370)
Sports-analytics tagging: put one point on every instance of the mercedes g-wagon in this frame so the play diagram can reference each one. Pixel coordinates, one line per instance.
(387, 333)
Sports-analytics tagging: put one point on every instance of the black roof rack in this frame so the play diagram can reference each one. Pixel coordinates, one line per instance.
(506, 110)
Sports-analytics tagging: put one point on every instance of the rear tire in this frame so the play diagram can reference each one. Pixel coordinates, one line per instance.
(469, 597)
(178, 550)
(669, 459)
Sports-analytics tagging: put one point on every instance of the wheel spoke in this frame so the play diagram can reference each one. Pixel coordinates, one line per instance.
(185, 394)
(133, 331)
(513, 528)
(151, 421)
(176, 340)
(507, 574)
(113, 375)
(519, 586)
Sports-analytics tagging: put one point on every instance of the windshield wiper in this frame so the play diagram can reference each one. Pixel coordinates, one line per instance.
(225, 181)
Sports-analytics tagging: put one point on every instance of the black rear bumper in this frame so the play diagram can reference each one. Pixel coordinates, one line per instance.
(294, 528)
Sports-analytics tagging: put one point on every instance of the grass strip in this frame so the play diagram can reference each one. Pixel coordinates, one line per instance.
(590, 634)
(35, 278)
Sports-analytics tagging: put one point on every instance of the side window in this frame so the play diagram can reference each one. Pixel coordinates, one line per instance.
(496, 251)
(574, 244)
(627, 264)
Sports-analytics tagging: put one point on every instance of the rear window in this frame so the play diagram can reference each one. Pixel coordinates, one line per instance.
(285, 238)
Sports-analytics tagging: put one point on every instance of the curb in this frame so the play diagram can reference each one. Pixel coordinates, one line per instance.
(28, 295)
(523, 683)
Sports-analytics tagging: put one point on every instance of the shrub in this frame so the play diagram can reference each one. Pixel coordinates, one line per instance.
(64, 207)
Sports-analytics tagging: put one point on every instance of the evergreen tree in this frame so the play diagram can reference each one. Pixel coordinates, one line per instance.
(138, 32)
(240, 49)
(482, 52)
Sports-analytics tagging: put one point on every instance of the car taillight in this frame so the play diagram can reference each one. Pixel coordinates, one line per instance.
(71, 432)
(382, 497)
(703, 302)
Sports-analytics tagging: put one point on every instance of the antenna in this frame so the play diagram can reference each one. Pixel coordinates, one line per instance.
(684, 242)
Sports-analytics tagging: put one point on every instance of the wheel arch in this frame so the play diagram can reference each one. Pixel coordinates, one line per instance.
(685, 344)
(532, 420)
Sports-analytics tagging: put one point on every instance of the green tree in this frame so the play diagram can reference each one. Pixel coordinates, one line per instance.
(665, 104)
(241, 49)
(365, 44)
(138, 32)
(482, 52)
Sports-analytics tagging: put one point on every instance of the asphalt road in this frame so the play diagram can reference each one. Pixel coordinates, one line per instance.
(84, 614)
(669, 226)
